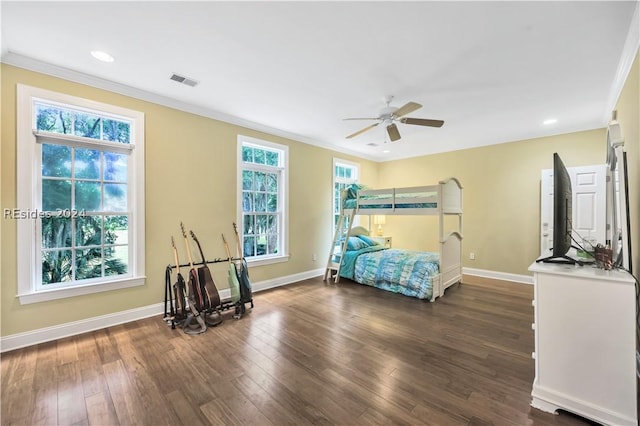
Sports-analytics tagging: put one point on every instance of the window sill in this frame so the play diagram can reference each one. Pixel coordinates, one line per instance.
(62, 293)
(268, 260)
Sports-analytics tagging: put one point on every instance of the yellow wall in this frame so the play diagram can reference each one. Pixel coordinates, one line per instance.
(502, 189)
(190, 177)
(501, 196)
(628, 108)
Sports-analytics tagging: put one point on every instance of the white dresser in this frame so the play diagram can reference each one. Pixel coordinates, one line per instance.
(585, 342)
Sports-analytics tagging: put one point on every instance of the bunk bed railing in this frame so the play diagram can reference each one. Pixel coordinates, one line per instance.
(444, 198)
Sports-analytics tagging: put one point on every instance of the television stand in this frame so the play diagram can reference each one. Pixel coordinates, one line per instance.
(585, 342)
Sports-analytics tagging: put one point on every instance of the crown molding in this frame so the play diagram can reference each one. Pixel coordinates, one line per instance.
(36, 65)
(627, 57)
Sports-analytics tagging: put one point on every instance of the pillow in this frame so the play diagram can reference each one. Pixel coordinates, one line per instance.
(370, 241)
(356, 243)
(359, 230)
(352, 191)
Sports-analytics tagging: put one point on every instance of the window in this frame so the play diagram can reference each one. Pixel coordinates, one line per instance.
(345, 173)
(263, 205)
(80, 205)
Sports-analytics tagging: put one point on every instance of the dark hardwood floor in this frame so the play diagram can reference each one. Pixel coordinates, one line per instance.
(308, 353)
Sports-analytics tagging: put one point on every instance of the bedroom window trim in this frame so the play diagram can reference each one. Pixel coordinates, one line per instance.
(282, 193)
(355, 167)
(29, 186)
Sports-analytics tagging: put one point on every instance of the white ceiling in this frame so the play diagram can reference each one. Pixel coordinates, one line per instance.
(492, 70)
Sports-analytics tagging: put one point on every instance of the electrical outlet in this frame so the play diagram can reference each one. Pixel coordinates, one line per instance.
(472, 256)
(314, 257)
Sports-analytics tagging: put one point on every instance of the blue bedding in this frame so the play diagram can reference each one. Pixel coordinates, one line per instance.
(406, 272)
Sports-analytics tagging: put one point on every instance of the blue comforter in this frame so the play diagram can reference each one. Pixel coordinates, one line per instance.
(406, 272)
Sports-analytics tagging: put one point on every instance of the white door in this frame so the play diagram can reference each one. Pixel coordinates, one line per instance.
(588, 184)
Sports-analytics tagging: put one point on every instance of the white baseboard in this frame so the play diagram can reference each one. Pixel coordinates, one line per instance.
(21, 340)
(523, 279)
(34, 337)
(289, 279)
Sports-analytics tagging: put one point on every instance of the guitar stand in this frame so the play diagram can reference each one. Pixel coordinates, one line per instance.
(241, 309)
(238, 307)
(213, 318)
(191, 328)
(174, 321)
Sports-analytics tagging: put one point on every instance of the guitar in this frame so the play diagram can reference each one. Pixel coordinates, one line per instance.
(179, 288)
(246, 295)
(234, 285)
(195, 291)
(209, 290)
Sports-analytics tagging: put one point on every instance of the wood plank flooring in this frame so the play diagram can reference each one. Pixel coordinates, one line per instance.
(308, 353)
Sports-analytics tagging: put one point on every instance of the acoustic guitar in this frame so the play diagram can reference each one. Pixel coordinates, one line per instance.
(209, 290)
(195, 290)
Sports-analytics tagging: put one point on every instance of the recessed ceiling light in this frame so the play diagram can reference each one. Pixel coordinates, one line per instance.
(386, 151)
(102, 56)
(549, 121)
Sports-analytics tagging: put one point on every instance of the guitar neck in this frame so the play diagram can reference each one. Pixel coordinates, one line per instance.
(200, 250)
(226, 247)
(175, 258)
(239, 250)
(193, 235)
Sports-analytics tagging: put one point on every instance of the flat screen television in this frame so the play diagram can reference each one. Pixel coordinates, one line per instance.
(562, 215)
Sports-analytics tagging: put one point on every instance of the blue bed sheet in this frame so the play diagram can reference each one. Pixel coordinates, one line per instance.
(406, 272)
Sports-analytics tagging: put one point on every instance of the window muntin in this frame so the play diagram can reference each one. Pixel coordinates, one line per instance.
(64, 119)
(83, 231)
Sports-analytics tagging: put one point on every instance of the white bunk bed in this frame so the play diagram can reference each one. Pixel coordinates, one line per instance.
(439, 200)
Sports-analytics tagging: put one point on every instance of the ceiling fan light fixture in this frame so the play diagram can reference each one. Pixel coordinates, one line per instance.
(393, 132)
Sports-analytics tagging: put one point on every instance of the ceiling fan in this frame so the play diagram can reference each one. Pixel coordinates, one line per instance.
(390, 115)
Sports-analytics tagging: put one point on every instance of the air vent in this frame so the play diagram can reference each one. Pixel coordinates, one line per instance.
(184, 80)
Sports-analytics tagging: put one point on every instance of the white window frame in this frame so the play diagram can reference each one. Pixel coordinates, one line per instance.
(29, 185)
(283, 199)
(335, 179)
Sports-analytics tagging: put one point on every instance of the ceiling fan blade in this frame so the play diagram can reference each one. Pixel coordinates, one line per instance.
(362, 130)
(406, 109)
(361, 118)
(422, 122)
(393, 132)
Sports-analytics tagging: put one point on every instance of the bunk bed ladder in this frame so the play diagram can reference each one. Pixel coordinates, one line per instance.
(339, 242)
